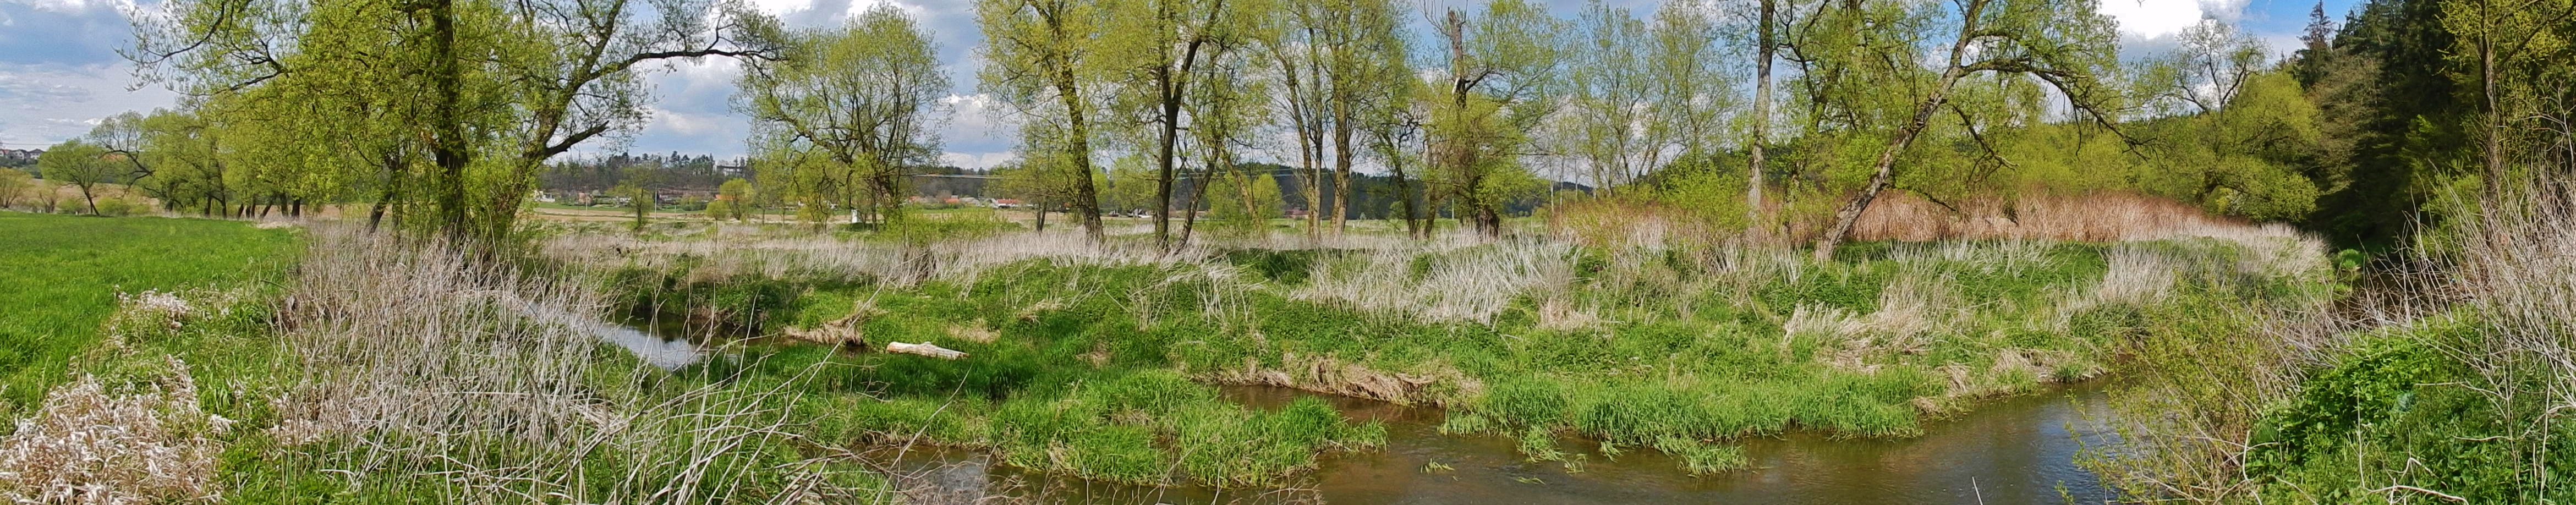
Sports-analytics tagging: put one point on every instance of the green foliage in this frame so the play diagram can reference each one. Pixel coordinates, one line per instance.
(82, 164)
(119, 207)
(852, 107)
(1244, 199)
(456, 107)
(2400, 409)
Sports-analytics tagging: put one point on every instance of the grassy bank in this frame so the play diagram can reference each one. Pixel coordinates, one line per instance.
(2449, 383)
(1667, 347)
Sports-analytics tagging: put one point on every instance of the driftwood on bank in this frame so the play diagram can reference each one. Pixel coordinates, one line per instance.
(842, 332)
(924, 349)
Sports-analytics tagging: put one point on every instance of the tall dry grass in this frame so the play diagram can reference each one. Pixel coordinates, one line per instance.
(94, 443)
(1438, 282)
(1907, 217)
(422, 364)
(732, 250)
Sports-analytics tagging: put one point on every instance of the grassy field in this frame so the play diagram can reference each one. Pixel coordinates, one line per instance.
(65, 273)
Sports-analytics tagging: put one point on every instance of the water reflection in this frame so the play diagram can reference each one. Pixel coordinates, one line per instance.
(2014, 451)
(665, 352)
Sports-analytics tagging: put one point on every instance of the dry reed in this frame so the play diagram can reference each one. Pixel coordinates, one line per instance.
(91, 443)
(485, 379)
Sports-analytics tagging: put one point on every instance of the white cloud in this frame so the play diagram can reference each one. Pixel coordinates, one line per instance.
(978, 161)
(2152, 18)
(781, 7)
(46, 104)
(2149, 19)
(690, 124)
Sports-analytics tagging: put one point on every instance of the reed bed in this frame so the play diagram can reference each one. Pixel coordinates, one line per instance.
(427, 375)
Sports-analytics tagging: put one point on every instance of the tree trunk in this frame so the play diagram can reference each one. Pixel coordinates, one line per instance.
(1086, 199)
(1198, 194)
(444, 148)
(1761, 118)
(2487, 80)
(1163, 184)
(1404, 196)
(1849, 213)
(1341, 160)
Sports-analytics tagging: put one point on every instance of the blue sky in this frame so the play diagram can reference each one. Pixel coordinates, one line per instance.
(60, 72)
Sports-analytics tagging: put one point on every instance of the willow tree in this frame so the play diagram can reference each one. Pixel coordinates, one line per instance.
(1395, 135)
(1226, 111)
(1153, 49)
(1870, 54)
(1614, 120)
(187, 172)
(864, 96)
(83, 165)
(489, 90)
(1335, 61)
(1502, 82)
(1041, 60)
(2511, 57)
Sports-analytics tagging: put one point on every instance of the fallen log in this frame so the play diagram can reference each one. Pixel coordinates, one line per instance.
(924, 349)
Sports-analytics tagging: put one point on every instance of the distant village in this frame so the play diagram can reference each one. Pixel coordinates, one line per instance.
(19, 157)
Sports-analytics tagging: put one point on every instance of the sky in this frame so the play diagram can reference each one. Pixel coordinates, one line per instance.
(60, 71)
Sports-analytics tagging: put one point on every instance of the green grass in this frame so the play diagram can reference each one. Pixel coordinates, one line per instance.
(62, 275)
(1679, 367)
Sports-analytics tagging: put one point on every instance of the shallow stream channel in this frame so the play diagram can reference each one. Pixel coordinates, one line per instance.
(2018, 450)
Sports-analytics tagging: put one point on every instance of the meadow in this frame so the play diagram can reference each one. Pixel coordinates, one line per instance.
(67, 274)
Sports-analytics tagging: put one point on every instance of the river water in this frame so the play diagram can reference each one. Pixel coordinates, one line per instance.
(2018, 450)
(2011, 451)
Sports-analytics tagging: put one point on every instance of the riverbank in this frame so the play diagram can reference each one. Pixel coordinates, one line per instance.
(1675, 350)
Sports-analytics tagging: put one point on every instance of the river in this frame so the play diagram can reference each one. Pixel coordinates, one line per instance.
(2017, 450)
(2010, 451)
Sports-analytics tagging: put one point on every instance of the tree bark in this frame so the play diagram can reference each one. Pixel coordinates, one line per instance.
(1341, 155)
(448, 127)
(1086, 199)
(1761, 117)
